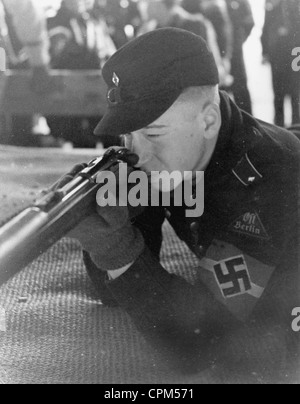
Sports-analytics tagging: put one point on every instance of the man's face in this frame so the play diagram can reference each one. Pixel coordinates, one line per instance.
(174, 142)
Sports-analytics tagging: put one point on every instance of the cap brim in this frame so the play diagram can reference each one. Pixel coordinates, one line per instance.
(130, 117)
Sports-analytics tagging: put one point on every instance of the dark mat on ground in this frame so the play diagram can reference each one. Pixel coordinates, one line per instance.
(56, 330)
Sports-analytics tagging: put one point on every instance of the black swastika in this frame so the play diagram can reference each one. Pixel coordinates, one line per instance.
(230, 275)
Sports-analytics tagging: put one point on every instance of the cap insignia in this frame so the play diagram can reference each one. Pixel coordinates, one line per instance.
(116, 80)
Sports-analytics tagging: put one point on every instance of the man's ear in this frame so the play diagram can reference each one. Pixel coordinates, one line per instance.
(211, 117)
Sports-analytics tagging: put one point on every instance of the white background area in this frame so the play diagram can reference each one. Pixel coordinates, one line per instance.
(259, 75)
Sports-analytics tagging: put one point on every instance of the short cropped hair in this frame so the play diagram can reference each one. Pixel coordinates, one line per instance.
(203, 94)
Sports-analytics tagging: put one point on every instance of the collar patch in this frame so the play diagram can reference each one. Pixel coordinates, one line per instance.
(246, 172)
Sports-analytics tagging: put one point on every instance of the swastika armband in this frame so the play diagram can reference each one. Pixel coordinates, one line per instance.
(235, 279)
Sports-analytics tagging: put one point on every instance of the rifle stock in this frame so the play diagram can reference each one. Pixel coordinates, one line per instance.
(33, 231)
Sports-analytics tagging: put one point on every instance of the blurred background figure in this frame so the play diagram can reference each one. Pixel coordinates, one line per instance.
(242, 20)
(24, 36)
(79, 40)
(79, 36)
(217, 13)
(24, 33)
(123, 19)
(169, 13)
(40, 35)
(281, 34)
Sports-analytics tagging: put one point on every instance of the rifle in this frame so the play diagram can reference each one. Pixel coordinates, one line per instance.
(54, 215)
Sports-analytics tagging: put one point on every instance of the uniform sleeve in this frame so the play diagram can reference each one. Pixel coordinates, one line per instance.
(30, 23)
(150, 224)
(180, 320)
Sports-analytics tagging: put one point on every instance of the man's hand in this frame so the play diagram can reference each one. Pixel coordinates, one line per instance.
(110, 239)
(108, 236)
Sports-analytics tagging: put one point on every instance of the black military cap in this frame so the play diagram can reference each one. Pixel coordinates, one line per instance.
(146, 76)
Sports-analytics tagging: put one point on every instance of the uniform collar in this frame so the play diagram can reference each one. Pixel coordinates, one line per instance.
(239, 133)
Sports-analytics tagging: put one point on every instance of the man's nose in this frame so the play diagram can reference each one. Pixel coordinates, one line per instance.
(138, 145)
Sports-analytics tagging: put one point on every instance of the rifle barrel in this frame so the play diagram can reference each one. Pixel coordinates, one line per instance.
(32, 232)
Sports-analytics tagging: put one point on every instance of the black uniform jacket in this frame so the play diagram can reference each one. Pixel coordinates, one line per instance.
(246, 240)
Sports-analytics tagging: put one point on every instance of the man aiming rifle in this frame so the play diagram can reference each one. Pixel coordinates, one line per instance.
(163, 96)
